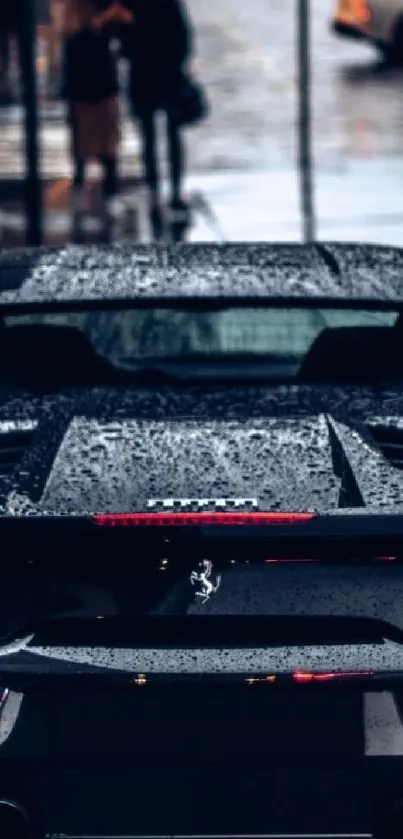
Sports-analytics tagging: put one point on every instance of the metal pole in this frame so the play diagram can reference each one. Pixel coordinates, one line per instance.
(33, 191)
(305, 121)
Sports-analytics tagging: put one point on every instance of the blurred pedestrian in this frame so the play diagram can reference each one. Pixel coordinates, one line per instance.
(5, 87)
(158, 46)
(7, 59)
(56, 10)
(90, 87)
(10, 16)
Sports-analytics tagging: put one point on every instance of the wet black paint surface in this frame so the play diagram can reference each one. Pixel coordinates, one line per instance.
(111, 450)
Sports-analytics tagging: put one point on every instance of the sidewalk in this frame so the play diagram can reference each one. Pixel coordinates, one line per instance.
(131, 225)
(54, 145)
(364, 204)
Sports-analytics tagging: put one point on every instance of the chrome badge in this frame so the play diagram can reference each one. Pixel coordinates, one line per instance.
(205, 581)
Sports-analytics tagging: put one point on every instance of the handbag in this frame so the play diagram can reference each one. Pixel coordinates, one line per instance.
(191, 105)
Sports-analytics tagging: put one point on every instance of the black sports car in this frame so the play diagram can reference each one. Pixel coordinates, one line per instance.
(201, 487)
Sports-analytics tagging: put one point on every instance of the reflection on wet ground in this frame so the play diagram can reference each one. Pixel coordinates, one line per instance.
(127, 222)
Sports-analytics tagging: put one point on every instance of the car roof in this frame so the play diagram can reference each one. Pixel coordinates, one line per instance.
(149, 274)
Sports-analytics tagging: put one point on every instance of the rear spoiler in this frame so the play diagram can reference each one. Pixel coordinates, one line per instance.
(378, 536)
(105, 548)
(333, 524)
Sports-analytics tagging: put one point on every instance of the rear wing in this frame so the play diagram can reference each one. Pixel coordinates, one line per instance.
(342, 536)
(354, 523)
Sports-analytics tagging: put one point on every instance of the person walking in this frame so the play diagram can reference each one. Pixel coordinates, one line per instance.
(158, 46)
(10, 17)
(5, 85)
(90, 88)
(7, 49)
(54, 48)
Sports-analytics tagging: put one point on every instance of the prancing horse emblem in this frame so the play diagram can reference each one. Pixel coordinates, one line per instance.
(202, 579)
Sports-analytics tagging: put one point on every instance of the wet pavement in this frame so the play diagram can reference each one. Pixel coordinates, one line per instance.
(245, 154)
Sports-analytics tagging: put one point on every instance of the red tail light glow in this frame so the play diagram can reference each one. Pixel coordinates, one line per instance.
(386, 558)
(199, 519)
(278, 561)
(305, 678)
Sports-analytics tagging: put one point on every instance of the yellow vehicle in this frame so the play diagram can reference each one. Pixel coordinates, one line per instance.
(378, 21)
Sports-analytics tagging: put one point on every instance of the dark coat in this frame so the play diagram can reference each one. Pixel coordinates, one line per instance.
(158, 45)
(10, 14)
(89, 71)
(42, 10)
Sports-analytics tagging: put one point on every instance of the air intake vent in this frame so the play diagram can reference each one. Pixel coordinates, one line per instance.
(13, 444)
(390, 441)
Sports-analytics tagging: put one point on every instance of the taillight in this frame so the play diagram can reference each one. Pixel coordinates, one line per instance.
(291, 561)
(199, 519)
(306, 678)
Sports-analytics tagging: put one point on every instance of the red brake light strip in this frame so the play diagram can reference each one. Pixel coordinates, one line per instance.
(301, 677)
(305, 678)
(198, 519)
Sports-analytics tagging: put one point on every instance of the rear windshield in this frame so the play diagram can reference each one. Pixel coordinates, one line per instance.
(277, 343)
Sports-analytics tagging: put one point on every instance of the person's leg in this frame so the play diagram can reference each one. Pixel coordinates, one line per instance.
(176, 159)
(76, 150)
(4, 64)
(149, 140)
(77, 196)
(180, 214)
(110, 180)
(56, 15)
(79, 174)
(4, 54)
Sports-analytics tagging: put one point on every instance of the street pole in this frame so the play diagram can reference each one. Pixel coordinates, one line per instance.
(305, 121)
(33, 191)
